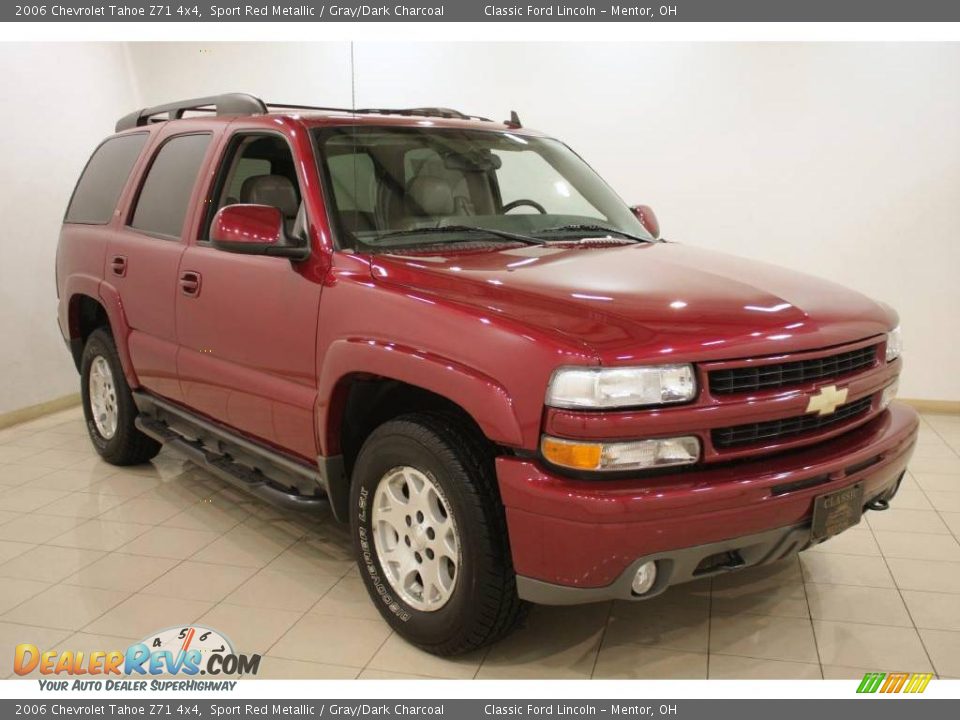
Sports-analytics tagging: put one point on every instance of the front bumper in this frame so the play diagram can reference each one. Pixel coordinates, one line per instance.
(580, 540)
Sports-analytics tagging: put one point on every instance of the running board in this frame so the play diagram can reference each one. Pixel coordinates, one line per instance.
(240, 476)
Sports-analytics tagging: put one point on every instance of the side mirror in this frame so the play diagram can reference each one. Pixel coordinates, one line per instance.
(254, 230)
(647, 218)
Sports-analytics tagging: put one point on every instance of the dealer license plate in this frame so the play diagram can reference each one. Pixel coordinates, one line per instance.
(835, 512)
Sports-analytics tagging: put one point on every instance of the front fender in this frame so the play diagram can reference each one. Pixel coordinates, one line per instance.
(482, 397)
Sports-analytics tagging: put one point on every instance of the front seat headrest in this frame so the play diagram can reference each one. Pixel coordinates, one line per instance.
(273, 190)
(429, 195)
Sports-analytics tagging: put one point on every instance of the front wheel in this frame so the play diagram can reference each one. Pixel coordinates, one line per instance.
(108, 405)
(430, 534)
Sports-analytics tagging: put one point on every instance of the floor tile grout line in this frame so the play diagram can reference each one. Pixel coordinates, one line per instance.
(710, 624)
(910, 615)
(486, 654)
(952, 532)
(603, 635)
(180, 562)
(375, 652)
(60, 584)
(303, 615)
(896, 584)
(941, 437)
(947, 525)
(813, 628)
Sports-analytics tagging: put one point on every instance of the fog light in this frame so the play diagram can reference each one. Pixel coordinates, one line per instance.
(645, 578)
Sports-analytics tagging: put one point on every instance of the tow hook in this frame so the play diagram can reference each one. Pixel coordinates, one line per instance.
(882, 502)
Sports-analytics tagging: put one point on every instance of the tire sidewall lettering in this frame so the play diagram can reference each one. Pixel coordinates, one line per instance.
(369, 560)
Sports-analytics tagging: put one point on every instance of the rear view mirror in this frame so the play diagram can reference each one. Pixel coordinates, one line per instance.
(647, 218)
(473, 162)
(254, 230)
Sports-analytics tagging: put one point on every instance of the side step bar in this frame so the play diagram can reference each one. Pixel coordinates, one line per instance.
(253, 481)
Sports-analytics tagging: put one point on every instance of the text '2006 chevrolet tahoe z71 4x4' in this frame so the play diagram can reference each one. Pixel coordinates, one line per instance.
(455, 335)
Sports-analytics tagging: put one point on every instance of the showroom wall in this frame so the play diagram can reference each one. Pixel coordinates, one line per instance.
(61, 100)
(839, 159)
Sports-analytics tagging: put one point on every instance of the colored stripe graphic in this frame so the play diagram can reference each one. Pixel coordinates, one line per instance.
(918, 682)
(870, 682)
(894, 682)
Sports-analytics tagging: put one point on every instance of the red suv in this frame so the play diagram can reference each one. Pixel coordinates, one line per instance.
(454, 334)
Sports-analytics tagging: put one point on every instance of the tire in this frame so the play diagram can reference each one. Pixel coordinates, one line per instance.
(125, 445)
(444, 452)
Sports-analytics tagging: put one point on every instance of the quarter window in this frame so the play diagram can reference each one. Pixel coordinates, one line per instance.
(166, 192)
(98, 190)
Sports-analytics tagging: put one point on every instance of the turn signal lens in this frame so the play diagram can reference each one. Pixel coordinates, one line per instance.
(894, 344)
(889, 393)
(634, 455)
(580, 456)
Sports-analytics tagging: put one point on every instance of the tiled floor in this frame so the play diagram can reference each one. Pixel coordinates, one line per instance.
(92, 557)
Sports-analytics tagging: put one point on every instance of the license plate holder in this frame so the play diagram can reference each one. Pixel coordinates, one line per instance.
(837, 511)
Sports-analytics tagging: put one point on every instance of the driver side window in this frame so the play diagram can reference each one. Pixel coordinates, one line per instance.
(258, 169)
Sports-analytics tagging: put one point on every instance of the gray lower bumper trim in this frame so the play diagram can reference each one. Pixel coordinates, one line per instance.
(674, 567)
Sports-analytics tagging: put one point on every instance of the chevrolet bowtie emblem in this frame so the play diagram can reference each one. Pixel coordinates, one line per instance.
(826, 400)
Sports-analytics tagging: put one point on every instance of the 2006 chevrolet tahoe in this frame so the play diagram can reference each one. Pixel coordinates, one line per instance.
(454, 334)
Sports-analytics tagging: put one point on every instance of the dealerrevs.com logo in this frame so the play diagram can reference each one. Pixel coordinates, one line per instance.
(185, 652)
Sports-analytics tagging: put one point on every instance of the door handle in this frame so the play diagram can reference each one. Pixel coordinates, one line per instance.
(190, 283)
(118, 265)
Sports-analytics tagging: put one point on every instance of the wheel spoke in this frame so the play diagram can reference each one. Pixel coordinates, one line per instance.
(415, 538)
(103, 398)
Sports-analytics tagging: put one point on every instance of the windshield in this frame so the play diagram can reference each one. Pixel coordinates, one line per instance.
(400, 187)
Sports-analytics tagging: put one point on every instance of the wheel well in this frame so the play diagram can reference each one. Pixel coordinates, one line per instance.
(372, 401)
(86, 315)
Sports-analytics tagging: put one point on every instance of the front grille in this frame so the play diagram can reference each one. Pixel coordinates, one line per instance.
(731, 437)
(798, 372)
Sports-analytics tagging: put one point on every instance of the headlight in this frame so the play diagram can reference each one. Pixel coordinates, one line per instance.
(894, 344)
(633, 455)
(621, 387)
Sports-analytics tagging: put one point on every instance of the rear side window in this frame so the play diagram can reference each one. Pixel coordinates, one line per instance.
(98, 190)
(165, 195)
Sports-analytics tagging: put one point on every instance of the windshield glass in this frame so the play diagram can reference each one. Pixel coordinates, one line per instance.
(401, 187)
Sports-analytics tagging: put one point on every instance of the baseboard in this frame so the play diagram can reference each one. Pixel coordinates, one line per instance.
(934, 406)
(15, 417)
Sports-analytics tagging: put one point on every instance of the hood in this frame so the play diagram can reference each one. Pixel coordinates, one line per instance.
(638, 302)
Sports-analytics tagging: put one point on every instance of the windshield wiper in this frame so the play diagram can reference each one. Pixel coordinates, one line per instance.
(526, 239)
(595, 228)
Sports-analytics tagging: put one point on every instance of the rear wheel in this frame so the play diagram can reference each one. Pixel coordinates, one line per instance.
(108, 405)
(430, 534)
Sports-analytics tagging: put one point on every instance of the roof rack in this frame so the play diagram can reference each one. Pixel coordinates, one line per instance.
(227, 104)
(441, 112)
(244, 104)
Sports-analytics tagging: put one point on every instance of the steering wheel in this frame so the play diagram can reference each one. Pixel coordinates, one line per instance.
(517, 203)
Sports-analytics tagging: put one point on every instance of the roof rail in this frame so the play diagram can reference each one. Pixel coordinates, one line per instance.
(300, 106)
(244, 104)
(226, 104)
(421, 111)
